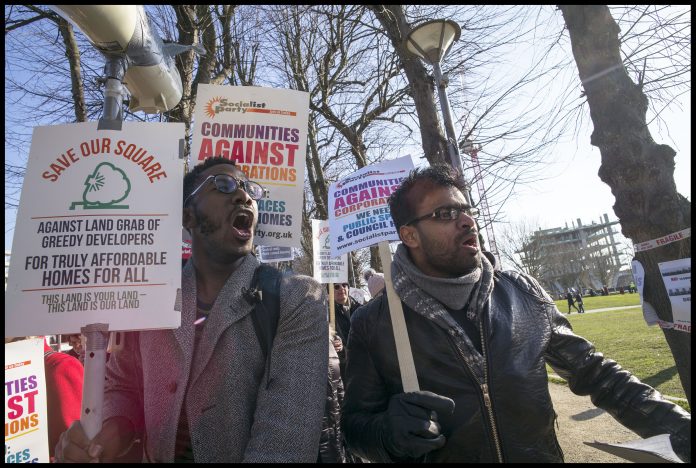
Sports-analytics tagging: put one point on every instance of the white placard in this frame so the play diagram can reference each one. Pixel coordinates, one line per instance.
(327, 269)
(359, 214)
(264, 130)
(98, 234)
(268, 254)
(676, 275)
(26, 426)
(649, 313)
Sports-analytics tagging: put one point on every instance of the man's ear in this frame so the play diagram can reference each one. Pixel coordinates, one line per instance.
(409, 236)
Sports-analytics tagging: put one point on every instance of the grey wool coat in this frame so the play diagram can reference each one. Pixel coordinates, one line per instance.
(233, 416)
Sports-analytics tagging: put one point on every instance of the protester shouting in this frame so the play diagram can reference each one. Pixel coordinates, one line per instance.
(480, 340)
(204, 392)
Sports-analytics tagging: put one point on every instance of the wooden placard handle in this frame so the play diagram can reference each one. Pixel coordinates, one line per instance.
(409, 379)
(332, 312)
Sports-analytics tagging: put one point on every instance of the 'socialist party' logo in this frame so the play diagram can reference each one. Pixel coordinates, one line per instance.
(218, 104)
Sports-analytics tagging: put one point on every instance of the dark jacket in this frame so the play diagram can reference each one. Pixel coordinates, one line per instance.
(331, 444)
(343, 315)
(503, 413)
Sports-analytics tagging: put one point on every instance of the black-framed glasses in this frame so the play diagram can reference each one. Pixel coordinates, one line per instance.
(448, 213)
(226, 183)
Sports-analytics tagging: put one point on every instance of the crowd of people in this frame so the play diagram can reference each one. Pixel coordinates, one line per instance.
(480, 337)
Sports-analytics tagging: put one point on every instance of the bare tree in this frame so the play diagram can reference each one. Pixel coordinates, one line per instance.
(639, 171)
(522, 248)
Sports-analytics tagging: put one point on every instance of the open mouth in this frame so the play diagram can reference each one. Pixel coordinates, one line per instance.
(242, 224)
(471, 242)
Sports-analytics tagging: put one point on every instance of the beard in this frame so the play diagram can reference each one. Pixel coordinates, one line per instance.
(445, 258)
(208, 227)
(205, 224)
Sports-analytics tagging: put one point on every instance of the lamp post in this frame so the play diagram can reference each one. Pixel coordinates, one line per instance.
(431, 41)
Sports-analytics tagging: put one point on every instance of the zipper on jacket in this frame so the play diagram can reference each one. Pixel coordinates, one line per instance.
(486, 394)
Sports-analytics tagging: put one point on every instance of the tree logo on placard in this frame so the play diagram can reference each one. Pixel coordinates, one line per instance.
(104, 188)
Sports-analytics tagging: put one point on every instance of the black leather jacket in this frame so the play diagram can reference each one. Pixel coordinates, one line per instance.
(503, 409)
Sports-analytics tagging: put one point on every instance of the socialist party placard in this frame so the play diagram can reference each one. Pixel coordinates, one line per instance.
(98, 233)
(359, 213)
(264, 131)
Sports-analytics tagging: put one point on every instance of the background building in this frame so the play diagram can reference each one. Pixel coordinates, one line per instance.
(580, 257)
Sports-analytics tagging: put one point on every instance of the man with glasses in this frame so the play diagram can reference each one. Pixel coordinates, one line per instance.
(480, 339)
(205, 392)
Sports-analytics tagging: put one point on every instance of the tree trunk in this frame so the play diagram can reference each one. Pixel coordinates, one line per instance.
(393, 20)
(639, 171)
(72, 52)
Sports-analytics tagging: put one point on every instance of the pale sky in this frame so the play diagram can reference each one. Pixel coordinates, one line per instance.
(576, 191)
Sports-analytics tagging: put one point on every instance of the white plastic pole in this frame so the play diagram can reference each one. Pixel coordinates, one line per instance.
(409, 379)
(97, 335)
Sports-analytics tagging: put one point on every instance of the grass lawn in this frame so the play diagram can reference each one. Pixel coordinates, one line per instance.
(600, 302)
(623, 336)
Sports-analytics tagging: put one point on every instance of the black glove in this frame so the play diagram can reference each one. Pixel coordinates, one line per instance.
(411, 428)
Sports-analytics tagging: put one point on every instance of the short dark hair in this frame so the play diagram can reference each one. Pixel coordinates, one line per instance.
(191, 179)
(402, 206)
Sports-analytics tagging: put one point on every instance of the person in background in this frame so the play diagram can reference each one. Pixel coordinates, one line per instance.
(206, 392)
(344, 306)
(332, 446)
(375, 282)
(77, 350)
(480, 340)
(64, 378)
(571, 301)
(578, 301)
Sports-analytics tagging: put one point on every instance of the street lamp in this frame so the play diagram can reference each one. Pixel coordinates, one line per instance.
(431, 41)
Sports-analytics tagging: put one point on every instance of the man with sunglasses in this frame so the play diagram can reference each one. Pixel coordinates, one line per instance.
(205, 392)
(480, 340)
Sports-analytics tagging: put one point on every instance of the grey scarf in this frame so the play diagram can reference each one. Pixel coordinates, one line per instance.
(417, 289)
(429, 297)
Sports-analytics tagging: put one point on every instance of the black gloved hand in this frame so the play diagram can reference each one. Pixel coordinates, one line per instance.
(411, 428)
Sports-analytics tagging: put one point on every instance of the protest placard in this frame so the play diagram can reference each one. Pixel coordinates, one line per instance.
(264, 131)
(359, 217)
(26, 425)
(359, 213)
(98, 233)
(327, 269)
(268, 254)
(676, 275)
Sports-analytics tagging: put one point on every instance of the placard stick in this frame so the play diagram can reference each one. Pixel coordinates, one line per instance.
(332, 312)
(97, 335)
(409, 379)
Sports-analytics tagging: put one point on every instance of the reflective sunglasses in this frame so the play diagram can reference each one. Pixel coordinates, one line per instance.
(449, 213)
(226, 183)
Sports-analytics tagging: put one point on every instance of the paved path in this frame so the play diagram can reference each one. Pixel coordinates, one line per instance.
(605, 309)
(580, 421)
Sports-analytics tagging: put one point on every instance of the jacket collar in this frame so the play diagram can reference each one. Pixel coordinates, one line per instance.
(229, 307)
